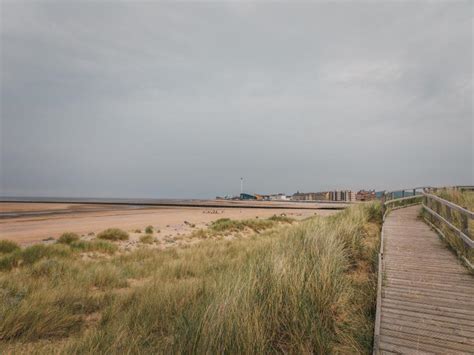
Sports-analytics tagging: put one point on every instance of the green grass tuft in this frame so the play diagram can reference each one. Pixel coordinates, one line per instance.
(302, 288)
(7, 246)
(98, 245)
(283, 219)
(147, 239)
(68, 238)
(149, 230)
(113, 234)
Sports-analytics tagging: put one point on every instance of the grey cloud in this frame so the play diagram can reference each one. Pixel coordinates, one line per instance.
(181, 99)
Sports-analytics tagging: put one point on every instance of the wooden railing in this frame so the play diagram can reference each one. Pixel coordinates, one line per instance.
(442, 213)
(408, 197)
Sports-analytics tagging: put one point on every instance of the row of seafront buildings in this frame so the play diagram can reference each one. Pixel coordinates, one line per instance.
(336, 195)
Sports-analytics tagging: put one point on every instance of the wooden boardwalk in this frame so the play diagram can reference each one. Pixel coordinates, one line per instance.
(427, 303)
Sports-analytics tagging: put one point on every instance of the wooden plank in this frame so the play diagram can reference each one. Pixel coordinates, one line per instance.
(429, 332)
(424, 342)
(445, 295)
(414, 347)
(426, 308)
(424, 302)
(421, 289)
(398, 349)
(429, 324)
(429, 285)
(425, 318)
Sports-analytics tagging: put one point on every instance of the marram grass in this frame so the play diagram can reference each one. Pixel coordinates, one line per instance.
(303, 288)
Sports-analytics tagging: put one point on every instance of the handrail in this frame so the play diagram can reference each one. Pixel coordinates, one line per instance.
(463, 236)
(428, 199)
(388, 197)
(378, 307)
(450, 205)
(463, 231)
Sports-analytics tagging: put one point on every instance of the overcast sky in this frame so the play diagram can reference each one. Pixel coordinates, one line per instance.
(144, 99)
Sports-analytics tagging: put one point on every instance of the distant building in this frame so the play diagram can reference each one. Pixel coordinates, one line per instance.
(278, 197)
(245, 196)
(364, 195)
(337, 195)
(310, 196)
(303, 196)
(340, 195)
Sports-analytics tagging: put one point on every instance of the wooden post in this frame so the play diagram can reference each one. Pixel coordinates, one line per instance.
(448, 214)
(465, 223)
(430, 205)
(383, 202)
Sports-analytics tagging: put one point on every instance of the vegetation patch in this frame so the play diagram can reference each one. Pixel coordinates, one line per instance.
(113, 234)
(98, 245)
(282, 219)
(149, 230)
(302, 288)
(68, 238)
(147, 239)
(7, 246)
(32, 254)
(230, 225)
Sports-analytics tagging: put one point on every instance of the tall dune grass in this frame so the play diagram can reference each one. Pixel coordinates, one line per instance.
(302, 288)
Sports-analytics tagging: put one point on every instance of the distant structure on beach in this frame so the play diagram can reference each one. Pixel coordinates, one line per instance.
(310, 196)
(261, 197)
(336, 195)
(246, 196)
(364, 195)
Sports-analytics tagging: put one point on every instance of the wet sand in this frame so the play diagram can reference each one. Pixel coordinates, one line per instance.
(37, 222)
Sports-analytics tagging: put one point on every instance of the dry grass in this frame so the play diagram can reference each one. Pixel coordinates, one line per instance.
(147, 239)
(302, 288)
(7, 246)
(68, 238)
(461, 198)
(113, 234)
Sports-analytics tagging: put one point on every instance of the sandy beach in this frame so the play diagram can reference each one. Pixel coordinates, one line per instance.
(27, 223)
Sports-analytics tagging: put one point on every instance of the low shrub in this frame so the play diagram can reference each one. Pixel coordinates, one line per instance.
(7, 246)
(149, 230)
(32, 254)
(9, 261)
(283, 219)
(147, 239)
(229, 225)
(113, 234)
(49, 268)
(98, 245)
(36, 252)
(200, 233)
(107, 276)
(68, 238)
